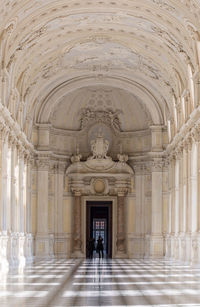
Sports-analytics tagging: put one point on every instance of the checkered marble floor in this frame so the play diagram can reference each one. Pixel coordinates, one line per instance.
(102, 282)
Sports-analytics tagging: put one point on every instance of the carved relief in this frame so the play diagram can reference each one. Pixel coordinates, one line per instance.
(99, 147)
(109, 117)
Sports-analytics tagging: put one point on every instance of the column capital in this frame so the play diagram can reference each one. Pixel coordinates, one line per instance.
(76, 192)
(42, 164)
(61, 166)
(178, 152)
(157, 165)
(196, 134)
(12, 140)
(121, 192)
(5, 130)
(188, 143)
(139, 168)
(21, 150)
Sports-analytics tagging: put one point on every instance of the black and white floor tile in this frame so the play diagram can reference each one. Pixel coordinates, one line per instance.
(102, 282)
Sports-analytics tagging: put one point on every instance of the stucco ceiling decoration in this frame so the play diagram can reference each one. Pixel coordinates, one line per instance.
(48, 43)
(117, 108)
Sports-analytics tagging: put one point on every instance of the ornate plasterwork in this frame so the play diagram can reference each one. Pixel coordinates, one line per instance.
(90, 116)
(99, 147)
(99, 166)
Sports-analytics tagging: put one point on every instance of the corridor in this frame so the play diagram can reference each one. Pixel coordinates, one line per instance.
(101, 283)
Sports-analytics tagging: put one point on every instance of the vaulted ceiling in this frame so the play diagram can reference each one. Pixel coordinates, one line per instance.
(56, 51)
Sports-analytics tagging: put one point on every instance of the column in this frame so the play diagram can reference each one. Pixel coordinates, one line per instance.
(198, 188)
(156, 244)
(60, 238)
(184, 205)
(21, 203)
(130, 223)
(193, 183)
(14, 197)
(120, 224)
(13, 186)
(195, 196)
(42, 237)
(166, 204)
(67, 218)
(177, 202)
(181, 191)
(28, 196)
(21, 189)
(177, 166)
(77, 242)
(198, 176)
(28, 215)
(4, 239)
(4, 179)
(173, 162)
(188, 144)
(1, 177)
(139, 239)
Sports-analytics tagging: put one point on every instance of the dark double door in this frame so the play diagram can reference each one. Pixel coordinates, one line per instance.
(99, 223)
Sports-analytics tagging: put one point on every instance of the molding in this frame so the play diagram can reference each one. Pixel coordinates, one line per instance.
(185, 131)
(8, 124)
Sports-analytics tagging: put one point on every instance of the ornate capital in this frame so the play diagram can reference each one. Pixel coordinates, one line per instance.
(157, 165)
(76, 192)
(5, 132)
(61, 166)
(188, 143)
(139, 168)
(20, 150)
(121, 191)
(12, 140)
(196, 134)
(166, 162)
(179, 152)
(172, 157)
(43, 164)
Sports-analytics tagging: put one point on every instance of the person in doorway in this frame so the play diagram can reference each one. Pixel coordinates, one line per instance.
(100, 247)
(91, 247)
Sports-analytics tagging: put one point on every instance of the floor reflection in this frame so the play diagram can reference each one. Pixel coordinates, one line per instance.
(102, 282)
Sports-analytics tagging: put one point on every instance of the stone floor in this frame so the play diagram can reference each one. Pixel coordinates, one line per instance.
(101, 283)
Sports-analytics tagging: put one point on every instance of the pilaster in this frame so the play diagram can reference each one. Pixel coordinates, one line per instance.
(77, 239)
(130, 224)
(156, 238)
(43, 239)
(121, 248)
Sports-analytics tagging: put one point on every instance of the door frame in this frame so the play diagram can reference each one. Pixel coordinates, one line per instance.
(100, 204)
(113, 199)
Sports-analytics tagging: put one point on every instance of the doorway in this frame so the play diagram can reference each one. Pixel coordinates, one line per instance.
(99, 223)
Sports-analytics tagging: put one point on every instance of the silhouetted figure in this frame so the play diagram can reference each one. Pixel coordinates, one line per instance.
(100, 246)
(91, 247)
